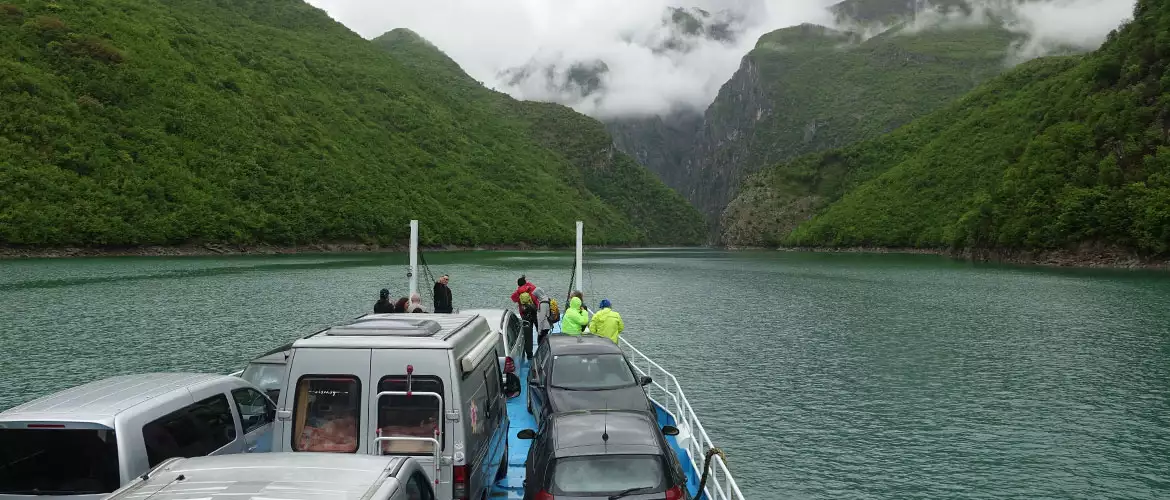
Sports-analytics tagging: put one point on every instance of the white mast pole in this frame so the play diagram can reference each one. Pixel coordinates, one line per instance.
(412, 273)
(580, 255)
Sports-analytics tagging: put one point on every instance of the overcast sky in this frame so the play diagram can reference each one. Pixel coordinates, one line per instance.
(487, 37)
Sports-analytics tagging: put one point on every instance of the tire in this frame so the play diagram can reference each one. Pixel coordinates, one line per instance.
(503, 472)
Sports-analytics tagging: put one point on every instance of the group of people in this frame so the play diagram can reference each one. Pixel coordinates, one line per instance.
(413, 304)
(541, 311)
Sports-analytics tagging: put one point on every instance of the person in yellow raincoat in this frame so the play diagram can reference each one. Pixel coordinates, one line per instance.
(574, 319)
(606, 322)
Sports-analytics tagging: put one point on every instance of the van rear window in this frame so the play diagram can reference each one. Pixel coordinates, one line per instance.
(326, 413)
(58, 461)
(409, 416)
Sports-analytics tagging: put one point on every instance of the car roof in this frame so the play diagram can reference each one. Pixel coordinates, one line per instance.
(395, 330)
(100, 401)
(580, 432)
(286, 475)
(581, 344)
(494, 317)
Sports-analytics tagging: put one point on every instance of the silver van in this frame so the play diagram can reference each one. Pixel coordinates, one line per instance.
(508, 327)
(291, 476)
(86, 441)
(424, 385)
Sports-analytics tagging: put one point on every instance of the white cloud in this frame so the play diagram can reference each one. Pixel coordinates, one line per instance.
(486, 38)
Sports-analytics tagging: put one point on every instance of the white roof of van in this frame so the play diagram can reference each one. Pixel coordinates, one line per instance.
(395, 330)
(270, 476)
(100, 401)
(494, 317)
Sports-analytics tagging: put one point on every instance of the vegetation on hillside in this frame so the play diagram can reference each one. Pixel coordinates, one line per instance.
(809, 88)
(662, 214)
(135, 122)
(1058, 153)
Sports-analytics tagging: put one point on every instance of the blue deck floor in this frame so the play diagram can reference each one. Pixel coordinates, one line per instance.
(513, 485)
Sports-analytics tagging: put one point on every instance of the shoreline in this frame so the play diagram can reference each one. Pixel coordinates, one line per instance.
(215, 249)
(1084, 257)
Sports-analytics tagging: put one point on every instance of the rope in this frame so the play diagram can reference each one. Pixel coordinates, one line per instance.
(426, 292)
(572, 279)
(707, 466)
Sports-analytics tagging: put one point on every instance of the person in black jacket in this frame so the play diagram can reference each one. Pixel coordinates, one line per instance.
(383, 305)
(443, 295)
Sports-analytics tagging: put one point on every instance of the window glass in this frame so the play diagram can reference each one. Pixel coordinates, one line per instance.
(591, 372)
(267, 376)
(513, 329)
(419, 488)
(193, 431)
(58, 461)
(409, 416)
(255, 409)
(607, 474)
(326, 413)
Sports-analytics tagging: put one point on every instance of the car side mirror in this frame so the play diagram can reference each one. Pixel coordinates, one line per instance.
(270, 415)
(526, 434)
(669, 430)
(645, 380)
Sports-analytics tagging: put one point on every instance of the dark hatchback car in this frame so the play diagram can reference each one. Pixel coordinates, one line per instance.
(584, 372)
(590, 454)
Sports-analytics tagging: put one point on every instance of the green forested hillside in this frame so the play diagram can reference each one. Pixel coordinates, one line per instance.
(1057, 153)
(133, 122)
(809, 88)
(615, 177)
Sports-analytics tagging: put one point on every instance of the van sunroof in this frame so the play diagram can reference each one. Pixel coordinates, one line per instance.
(384, 326)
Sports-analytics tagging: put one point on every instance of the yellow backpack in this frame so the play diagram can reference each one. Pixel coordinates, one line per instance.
(554, 311)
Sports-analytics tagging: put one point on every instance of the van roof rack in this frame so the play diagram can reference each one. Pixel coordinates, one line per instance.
(438, 326)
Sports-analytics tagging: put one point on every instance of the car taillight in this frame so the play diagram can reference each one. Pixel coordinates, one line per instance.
(459, 483)
(675, 493)
(544, 495)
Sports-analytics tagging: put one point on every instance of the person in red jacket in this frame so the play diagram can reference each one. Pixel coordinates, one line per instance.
(522, 285)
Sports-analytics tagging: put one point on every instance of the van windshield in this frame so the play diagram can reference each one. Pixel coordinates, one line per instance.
(58, 461)
(591, 372)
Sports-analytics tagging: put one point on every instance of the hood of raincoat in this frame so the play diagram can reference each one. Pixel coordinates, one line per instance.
(575, 303)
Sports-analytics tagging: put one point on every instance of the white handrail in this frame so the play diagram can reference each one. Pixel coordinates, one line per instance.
(435, 449)
(720, 485)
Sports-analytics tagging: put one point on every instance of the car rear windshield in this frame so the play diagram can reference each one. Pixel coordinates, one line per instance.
(58, 461)
(608, 474)
(591, 372)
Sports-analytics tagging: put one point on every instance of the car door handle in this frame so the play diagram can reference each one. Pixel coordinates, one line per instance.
(250, 449)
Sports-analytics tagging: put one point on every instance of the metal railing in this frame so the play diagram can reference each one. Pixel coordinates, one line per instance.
(665, 391)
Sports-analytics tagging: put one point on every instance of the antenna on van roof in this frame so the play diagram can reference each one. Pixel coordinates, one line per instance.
(605, 424)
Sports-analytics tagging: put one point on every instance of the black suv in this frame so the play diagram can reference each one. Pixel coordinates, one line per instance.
(584, 372)
(590, 454)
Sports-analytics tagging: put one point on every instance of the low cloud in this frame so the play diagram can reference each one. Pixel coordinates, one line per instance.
(1048, 27)
(610, 58)
(490, 38)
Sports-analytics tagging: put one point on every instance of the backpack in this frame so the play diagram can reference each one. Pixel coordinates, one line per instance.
(554, 311)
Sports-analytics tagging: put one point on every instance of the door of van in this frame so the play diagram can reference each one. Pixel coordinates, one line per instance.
(411, 396)
(256, 415)
(321, 407)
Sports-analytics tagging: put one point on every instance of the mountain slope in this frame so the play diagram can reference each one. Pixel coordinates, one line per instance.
(618, 180)
(1057, 154)
(133, 122)
(810, 88)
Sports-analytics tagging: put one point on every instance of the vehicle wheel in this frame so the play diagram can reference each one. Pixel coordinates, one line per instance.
(503, 472)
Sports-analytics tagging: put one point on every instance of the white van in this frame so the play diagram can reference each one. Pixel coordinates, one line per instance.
(426, 385)
(508, 327)
(288, 476)
(86, 441)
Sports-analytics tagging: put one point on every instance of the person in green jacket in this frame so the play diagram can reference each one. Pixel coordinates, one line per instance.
(574, 319)
(606, 322)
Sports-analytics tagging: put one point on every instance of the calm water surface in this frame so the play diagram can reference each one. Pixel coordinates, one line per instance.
(820, 375)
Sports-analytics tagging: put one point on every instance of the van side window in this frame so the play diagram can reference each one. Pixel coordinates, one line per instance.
(418, 488)
(193, 431)
(409, 416)
(255, 409)
(513, 329)
(494, 380)
(326, 413)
